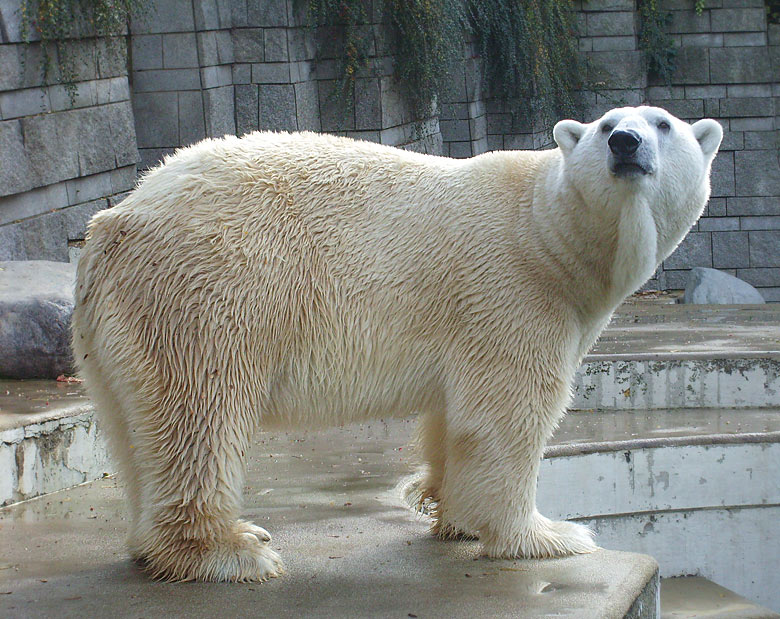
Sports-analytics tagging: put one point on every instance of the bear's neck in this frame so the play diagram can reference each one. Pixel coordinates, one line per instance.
(601, 251)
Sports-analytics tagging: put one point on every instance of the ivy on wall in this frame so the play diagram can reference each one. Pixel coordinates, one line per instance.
(56, 21)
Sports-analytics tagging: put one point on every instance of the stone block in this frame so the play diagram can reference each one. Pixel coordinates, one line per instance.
(15, 173)
(746, 106)
(693, 66)
(192, 127)
(458, 150)
(738, 20)
(730, 250)
(499, 123)
(27, 102)
(716, 207)
(685, 108)
(695, 250)
(300, 71)
(166, 80)
(617, 69)
(122, 122)
(708, 224)
(48, 143)
(39, 238)
(608, 5)
(686, 22)
(11, 67)
(150, 157)
(394, 109)
(32, 203)
(753, 206)
(267, 13)
(611, 24)
(766, 123)
(246, 108)
(94, 145)
(704, 92)
(732, 140)
(336, 113)
(454, 111)
(300, 44)
(709, 286)
(76, 218)
(523, 141)
(308, 109)
(275, 45)
(478, 128)
(760, 277)
(122, 181)
(157, 119)
(86, 188)
(242, 73)
(760, 140)
(206, 15)
(224, 46)
(764, 246)
(168, 16)
(455, 130)
(735, 65)
(658, 93)
(495, 142)
(744, 39)
(277, 107)
(207, 48)
(214, 77)
(599, 44)
(757, 173)
(219, 107)
(180, 50)
(368, 109)
(248, 45)
(704, 39)
(147, 51)
(118, 90)
(271, 73)
(771, 222)
(722, 177)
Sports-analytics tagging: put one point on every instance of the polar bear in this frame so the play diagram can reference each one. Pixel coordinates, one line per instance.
(305, 280)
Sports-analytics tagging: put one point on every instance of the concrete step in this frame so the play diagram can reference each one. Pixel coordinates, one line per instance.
(693, 596)
(351, 547)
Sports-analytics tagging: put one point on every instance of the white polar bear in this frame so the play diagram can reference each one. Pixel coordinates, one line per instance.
(305, 280)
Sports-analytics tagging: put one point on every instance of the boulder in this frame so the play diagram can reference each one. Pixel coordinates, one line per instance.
(36, 302)
(710, 286)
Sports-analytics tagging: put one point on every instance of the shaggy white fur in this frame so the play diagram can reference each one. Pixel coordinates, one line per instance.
(305, 280)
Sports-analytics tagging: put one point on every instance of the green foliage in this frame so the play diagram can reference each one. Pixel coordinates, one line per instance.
(530, 53)
(529, 48)
(55, 21)
(432, 30)
(655, 43)
(773, 11)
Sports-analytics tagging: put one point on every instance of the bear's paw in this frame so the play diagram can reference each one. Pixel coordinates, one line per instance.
(543, 538)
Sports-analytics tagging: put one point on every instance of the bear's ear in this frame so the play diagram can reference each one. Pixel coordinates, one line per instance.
(567, 133)
(708, 134)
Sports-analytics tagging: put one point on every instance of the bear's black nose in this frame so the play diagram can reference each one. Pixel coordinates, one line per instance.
(624, 142)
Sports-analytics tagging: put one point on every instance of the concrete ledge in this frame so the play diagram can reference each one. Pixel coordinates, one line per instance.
(49, 440)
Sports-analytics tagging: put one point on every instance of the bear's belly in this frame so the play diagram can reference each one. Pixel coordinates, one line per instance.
(348, 393)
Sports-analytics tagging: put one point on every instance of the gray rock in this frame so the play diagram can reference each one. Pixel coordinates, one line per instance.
(710, 286)
(36, 302)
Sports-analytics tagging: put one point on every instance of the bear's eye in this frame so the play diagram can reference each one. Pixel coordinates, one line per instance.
(664, 126)
(606, 128)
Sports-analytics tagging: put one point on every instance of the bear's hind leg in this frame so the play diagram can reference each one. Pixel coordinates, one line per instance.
(194, 450)
(423, 493)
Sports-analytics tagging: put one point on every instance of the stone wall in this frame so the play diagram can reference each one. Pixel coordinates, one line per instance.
(212, 67)
(61, 160)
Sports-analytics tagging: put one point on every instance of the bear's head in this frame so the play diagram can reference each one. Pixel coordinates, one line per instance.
(643, 156)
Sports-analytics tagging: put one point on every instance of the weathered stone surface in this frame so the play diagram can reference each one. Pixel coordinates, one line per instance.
(147, 51)
(613, 23)
(738, 20)
(248, 45)
(757, 173)
(277, 107)
(710, 286)
(722, 177)
(307, 106)
(730, 250)
(695, 250)
(192, 125)
(729, 65)
(219, 109)
(246, 108)
(168, 16)
(276, 45)
(764, 246)
(157, 119)
(180, 50)
(36, 301)
(267, 13)
(368, 112)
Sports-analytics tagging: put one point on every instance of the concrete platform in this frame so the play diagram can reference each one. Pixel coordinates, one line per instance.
(694, 597)
(352, 549)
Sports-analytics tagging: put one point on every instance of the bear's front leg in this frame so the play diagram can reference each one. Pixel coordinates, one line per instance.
(496, 433)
